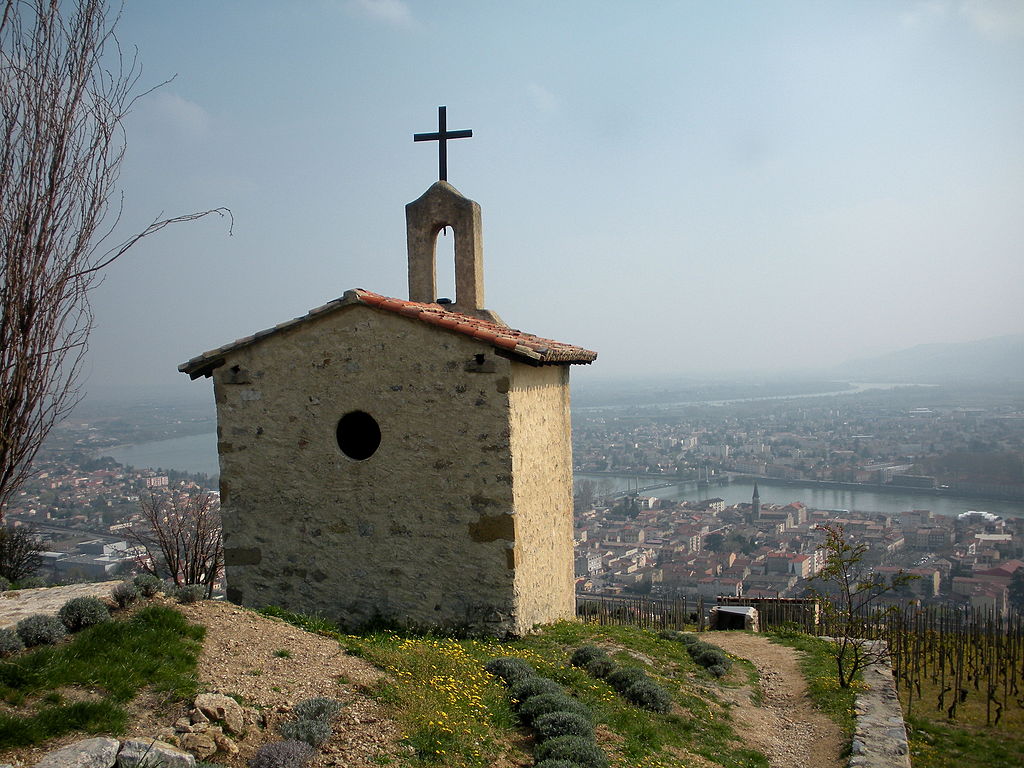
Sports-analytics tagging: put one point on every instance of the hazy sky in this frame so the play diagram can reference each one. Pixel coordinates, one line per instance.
(686, 187)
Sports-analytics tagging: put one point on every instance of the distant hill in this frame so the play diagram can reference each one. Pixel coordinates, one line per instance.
(996, 359)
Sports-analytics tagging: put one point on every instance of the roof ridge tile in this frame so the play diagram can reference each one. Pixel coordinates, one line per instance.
(535, 349)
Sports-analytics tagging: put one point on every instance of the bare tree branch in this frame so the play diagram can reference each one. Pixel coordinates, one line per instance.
(65, 89)
(19, 553)
(181, 536)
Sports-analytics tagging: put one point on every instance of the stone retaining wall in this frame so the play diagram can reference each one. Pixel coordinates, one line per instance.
(880, 740)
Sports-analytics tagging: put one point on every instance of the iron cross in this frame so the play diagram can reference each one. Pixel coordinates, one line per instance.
(441, 137)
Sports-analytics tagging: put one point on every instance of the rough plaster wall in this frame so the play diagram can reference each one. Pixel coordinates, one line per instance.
(421, 531)
(542, 491)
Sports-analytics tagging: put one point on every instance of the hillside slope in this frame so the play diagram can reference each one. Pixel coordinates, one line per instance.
(425, 700)
(996, 359)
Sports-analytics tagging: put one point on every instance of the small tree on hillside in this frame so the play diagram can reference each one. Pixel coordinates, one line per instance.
(585, 495)
(849, 596)
(181, 539)
(19, 553)
(1017, 589)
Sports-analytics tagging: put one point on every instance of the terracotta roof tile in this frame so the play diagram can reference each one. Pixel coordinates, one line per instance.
(534, 349)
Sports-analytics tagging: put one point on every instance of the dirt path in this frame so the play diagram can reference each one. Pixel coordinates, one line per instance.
(786, 727)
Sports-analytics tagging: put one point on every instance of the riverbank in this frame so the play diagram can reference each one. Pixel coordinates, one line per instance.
(950, 492)
(886, 500)
(198, 454)
(195, 454)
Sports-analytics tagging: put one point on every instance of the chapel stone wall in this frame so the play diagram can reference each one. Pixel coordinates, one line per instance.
(542, 491)
(419, 533)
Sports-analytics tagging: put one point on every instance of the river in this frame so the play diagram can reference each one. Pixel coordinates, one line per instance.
(813, 496)
(198, 453)
(854, 388)
(195, 453)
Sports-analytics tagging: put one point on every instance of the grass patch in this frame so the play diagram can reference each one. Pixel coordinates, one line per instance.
(698, 724)
(452, 710)
(454, 713)
(971, 712)
(157, 647)
(938, 742)
(819, 667)
(935, 745)
(50, 721)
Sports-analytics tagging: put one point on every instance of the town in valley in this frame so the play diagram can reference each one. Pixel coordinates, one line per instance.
(648, 520)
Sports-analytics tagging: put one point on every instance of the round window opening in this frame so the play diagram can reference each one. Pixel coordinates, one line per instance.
(358, 435)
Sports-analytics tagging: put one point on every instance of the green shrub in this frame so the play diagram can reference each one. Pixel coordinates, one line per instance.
(556, 764)
(81, 612)
(282, 754)
(124, 594)
(313, 732)
(4, 584)
(579, 751)
(711, 657)
(190, 593)
(788, 629)
(687, 638)
(317, 708)
(10, 642)
(510, 669)
(30, 582)
(670, 634)
(561, 723)
(718, 670)
(532, 686)
(542, 704)
(648, 695)
(708, 656)
(623, 677)
(147, 584)
(587, 653)
(41, 629)
(600, 668)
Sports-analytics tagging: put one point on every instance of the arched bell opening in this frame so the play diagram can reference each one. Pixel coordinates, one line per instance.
(445, 285)
(439, 207)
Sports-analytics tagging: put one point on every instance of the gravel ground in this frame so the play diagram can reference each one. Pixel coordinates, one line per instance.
(271, 665)
(243, 654)
(786, 727)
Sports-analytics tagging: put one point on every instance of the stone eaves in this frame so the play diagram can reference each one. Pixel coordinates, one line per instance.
(515, 344)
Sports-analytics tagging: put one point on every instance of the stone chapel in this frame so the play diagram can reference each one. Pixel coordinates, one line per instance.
(405, 461)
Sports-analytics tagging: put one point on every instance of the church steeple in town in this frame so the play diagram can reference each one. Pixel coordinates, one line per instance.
(755, 502)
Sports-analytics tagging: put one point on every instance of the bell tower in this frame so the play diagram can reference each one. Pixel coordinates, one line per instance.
(444, 206)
